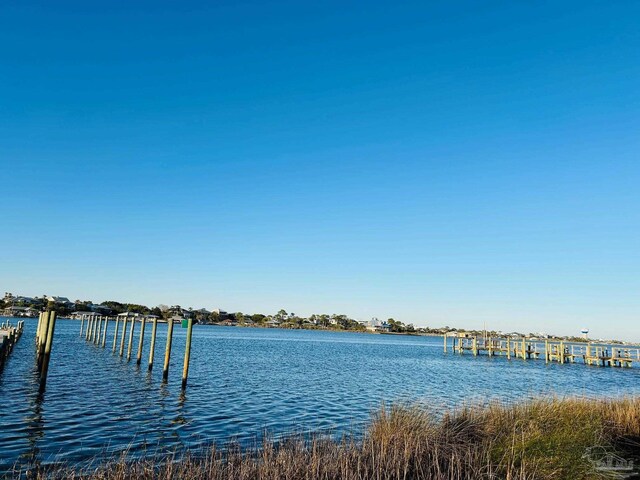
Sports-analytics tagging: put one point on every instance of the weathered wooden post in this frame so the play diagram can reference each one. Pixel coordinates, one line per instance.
(124, 334)
(104, 332)
(86, 334)
(81, 324)
(38, 328)
(139, 357)
(474, 344)
(115, 335)
(187, 354)
(96, 333)
(524, 348)
(445, 342)
(508, 348)
(101, 329)
(39, 331)
(43, 338)
(98, 330)
(47, 350)
(133, 327)
(152, 347)
(167, 350)
(546, 351)
(612, 362)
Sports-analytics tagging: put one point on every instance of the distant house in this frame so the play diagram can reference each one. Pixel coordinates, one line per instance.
(19, 312)
(79, 315)
(23, 301)
(375, 325)
(126, 315)
(101, 309)
(385, 327)
(60, 301)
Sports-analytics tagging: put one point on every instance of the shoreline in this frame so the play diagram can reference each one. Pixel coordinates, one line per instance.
(571, 438)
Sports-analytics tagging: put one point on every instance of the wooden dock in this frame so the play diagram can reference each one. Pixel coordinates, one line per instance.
(588, 353)
(9, 335)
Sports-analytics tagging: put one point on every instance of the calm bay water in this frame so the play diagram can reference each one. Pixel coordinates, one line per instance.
(245, 380)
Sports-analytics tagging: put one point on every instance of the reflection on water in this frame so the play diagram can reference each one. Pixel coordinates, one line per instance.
(243, 381)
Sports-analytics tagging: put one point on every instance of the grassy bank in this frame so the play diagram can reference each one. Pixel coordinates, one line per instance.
(543, 439)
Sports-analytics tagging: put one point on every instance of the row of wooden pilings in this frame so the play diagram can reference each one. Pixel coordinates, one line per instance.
(9, 335)
(551, 350)
(44, 343)
(97, 328)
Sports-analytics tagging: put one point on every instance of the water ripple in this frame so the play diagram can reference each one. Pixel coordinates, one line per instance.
(244, 381)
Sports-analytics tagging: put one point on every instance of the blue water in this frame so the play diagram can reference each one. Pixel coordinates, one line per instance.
(245, 380)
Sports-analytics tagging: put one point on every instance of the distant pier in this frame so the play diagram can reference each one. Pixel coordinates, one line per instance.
(9, 335)
(588, 353)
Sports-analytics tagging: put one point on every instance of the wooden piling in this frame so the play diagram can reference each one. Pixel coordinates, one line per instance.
(81, 324)
(474, 345)
(133, 327)
(187, 354)
(508, 348)
(152, 347)
(124, 334)
(167, 350)
(51, 325)
(115, 335)
(96, 334)
(104, 332)
(44, 329)
(86, 334)
(38, 330)
(139, 357)
(98, 329)
(445, 342)
(546, 351)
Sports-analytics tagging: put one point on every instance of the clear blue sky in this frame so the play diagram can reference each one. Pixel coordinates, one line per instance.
(444, 163)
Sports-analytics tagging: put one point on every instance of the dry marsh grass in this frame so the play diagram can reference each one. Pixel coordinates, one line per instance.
(540, 439)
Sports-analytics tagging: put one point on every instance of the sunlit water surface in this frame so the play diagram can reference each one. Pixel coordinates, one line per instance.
(244, 381)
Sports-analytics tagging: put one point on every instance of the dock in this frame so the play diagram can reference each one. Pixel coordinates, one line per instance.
(559, 351)
(9, 335)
